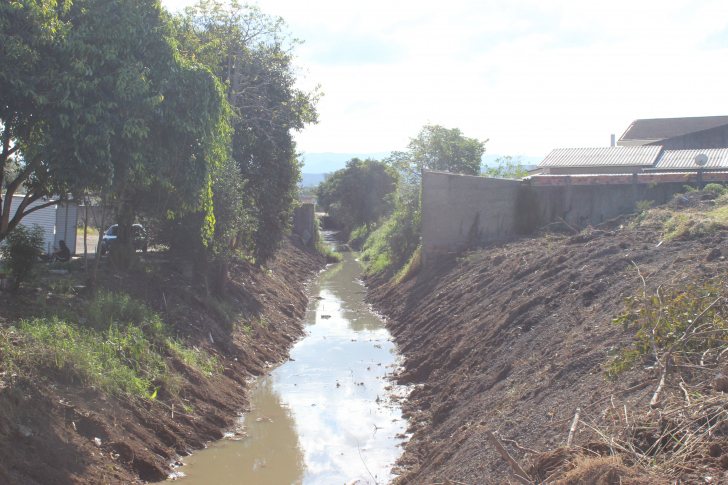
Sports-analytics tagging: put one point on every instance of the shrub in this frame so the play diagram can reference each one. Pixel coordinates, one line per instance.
(21, 250)
(716, 189)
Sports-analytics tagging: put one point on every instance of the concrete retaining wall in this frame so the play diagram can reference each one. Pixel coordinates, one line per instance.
(460, 210)
(304, 217)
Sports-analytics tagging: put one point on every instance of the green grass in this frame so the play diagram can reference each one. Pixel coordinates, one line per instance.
(121, 360)
(688, 225)
(113, 342)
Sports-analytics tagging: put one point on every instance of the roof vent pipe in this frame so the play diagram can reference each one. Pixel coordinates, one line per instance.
(614, 140)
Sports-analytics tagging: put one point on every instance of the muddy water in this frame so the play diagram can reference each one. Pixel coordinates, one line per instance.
(326, 416)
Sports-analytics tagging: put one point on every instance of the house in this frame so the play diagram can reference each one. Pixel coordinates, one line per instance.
(655, 145)
(600, 160)
(678, 133)
(57, 221)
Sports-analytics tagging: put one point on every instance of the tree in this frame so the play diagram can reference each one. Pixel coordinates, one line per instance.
(29, 34)
(358, 194)
(506, 167)
(252, 56)
(95, 96)
(438, 148)
(393, 244)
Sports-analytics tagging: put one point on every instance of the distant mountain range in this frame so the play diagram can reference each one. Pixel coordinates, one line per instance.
(316, 165)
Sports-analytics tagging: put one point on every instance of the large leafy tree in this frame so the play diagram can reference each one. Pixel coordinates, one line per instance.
(97, 98)
(438, 148)
(358, 194)
(30, 31)
(252, 57)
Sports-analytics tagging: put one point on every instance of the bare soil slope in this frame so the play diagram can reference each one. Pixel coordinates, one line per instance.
(513, 338)
(59, 432)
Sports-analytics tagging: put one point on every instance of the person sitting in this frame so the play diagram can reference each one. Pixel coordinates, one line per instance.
(62, 254)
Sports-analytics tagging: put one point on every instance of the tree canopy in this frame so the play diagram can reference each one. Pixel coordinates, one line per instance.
(438, 148)
(96, 97)
(358, 194)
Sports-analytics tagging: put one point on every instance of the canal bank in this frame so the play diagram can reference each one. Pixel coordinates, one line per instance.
(57, 428)
(329, 414)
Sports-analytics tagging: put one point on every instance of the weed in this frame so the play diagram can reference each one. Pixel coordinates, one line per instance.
(224, 313)
(716, 189)
(113, 341)
(21, 249)
(412, 268)
(663, 320)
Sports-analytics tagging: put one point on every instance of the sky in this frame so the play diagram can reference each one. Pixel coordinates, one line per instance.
(529, 76)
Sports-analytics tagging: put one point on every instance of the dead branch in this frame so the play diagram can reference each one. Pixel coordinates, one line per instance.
(519, 447)
(574, 425)
(567, 225)
(517, 469)
(665, 364)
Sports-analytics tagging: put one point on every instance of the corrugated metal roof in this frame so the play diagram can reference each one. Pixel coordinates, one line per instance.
(663, 128)
(603, 156)
(685, 159)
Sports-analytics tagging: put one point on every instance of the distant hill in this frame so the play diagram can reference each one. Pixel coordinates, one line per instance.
(317, 165)
(312, 179)
(327, 162)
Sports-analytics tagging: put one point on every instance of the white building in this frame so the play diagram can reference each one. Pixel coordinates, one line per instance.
(57, 221)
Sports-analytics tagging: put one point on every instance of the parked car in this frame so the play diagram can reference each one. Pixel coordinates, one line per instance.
(138, 238)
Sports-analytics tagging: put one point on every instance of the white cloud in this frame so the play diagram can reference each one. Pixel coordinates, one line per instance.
(529, 75)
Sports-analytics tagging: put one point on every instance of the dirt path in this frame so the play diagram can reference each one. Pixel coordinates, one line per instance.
(513, 337)
(59, 432)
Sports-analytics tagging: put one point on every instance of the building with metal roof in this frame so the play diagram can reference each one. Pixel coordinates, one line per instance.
(600, 160)
(685, 160)
(701, 132)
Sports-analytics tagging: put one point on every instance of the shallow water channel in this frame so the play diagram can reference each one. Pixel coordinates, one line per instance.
(326, 416)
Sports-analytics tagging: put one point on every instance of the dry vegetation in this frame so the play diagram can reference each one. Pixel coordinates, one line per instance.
(597, 358)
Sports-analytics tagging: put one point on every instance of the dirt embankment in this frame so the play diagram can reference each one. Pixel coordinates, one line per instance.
(513, 338)
(58, 432)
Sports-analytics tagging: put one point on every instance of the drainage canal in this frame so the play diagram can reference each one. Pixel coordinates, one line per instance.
(327, 416)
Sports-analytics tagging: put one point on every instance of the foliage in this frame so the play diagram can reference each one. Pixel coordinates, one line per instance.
(251, 55)
(392, 245)
(106, 104)
(21, 250)
(717, 189)
(412, 268)
(358, 194)
(668, 319)
(438, 148)
(644, 205)
(112, 341)
(507, 167)
(324, 249)
(119, 360)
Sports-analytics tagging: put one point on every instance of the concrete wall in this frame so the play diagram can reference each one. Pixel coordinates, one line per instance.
(304, 217)
(454, 206)
(458, 210)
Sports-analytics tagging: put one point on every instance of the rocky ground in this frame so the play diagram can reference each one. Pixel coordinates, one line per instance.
(513, 338)
(53, 431)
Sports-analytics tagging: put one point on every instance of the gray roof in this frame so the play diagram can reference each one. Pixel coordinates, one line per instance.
(663, 128)
(685, 159)
(603, 156)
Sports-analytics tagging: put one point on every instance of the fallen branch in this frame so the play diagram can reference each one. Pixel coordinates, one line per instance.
(517, 469)
(574, 425)
(567, 225)
(519, 447)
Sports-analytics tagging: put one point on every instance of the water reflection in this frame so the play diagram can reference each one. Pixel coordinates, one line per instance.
(323, 417)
